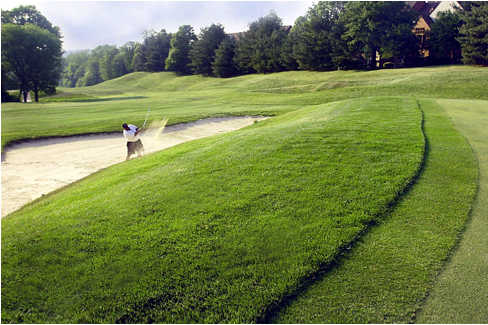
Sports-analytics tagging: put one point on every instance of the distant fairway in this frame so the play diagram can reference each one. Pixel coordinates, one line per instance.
(103, 108)
(243, 227)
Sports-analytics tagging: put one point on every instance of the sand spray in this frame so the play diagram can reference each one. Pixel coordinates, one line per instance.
(155, 129)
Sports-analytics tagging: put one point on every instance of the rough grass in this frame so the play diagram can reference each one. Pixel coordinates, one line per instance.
(217, 230)
(387, 275)
(460, 294)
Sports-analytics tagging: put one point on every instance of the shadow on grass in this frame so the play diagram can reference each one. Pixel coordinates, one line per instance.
(93, 99)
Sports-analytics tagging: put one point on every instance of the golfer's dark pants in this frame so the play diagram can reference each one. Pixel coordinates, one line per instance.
(133, 147)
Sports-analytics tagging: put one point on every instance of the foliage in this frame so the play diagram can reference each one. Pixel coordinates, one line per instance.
(93, 75)
(178, 59)
(74, 68)
(202, 53)
(223, 66)
(106, 62)
(383, 28)
(443, 44)
(139, 60)
(23, 15)
(33, 54)
(317, 36)
(31, 50)
(156, 49)
(474, 33)
(259, 48)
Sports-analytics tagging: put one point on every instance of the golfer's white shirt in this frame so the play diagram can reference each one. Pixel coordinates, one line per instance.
(131, 134)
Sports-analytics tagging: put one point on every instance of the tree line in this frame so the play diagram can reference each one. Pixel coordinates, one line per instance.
(331, 35)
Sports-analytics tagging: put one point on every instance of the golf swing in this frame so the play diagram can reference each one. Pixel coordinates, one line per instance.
(131, 134)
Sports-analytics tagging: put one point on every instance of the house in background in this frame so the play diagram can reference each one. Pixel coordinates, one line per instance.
(428, 12)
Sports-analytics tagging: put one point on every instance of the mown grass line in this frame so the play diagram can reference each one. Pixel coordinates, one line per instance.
(460, 294)
(215, 230)
(387, 275)
(273, 311)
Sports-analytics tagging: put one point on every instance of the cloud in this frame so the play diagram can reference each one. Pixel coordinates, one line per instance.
(87, 24)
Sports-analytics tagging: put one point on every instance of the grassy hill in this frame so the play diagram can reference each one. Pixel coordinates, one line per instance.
(104, 107)
(234, 227)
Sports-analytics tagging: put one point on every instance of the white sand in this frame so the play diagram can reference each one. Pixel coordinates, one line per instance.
(35, 168)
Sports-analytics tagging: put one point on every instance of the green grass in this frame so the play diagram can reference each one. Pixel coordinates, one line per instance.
(387, 275)
(216, 230)
(104, 107)
(232, 228)
(460, 296)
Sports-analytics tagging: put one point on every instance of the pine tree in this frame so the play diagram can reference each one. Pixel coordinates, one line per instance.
(474, 33)
(443, 43)
(139, 60)
(223, 65)
(202, 53)
(178, 58)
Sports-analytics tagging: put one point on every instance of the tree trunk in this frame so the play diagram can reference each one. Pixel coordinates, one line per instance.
(36, 94)
(24, 94)
(372, 59)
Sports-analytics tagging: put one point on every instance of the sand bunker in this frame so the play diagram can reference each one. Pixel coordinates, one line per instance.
(37, 167)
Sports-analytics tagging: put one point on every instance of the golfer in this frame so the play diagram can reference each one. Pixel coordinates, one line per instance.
(134, 144)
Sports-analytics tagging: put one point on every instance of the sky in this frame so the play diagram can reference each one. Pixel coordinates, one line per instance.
(87, 24)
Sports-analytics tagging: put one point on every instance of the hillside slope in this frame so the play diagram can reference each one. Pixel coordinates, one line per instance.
(243, 219)
(104, 107)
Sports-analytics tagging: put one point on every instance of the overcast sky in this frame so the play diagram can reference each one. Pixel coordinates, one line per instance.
(87, 24)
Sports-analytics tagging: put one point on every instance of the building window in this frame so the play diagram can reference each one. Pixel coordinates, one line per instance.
(419, 31)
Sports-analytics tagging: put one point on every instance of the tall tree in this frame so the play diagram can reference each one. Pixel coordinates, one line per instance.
(378, 27)
(259, 48)
(202, 53)
(243, 52)
(223, 66)
(474, 33)
(34, 55)
(106, 62)
(119, 67)
(128, 51)
(139, 59)
(92, 75)
(23, 15)
(74, 68)
(318, 36)
(9, 81)
(443, 43)
(32, 47)
(178, 58)
(157, 47)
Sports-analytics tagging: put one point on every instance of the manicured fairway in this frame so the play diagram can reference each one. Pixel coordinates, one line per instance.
(387, 275)
(344, 207)
(217, 230)
(104, 107)
(461, 293)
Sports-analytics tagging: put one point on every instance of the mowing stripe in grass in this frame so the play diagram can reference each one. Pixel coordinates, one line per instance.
(216, 230)
(387, 275)
(461, 294)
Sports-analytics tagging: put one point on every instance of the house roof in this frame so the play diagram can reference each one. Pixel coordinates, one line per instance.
(424, 9)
